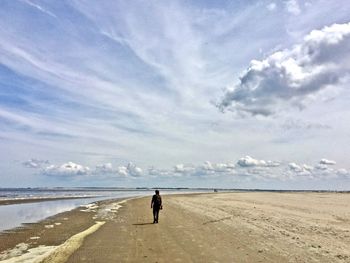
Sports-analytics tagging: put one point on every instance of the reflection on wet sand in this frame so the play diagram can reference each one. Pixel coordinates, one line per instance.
(15, 215)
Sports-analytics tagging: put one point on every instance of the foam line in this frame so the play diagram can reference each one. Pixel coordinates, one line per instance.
(64, 251)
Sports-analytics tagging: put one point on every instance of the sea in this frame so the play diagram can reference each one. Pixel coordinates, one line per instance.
(57, 200)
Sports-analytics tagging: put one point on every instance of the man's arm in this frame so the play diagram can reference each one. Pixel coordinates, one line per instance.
(152, 202)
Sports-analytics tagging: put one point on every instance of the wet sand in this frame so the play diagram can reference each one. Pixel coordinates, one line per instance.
(223, 227)
(36, 200)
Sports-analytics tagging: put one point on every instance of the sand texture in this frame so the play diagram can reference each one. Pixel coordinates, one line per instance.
(223, 227)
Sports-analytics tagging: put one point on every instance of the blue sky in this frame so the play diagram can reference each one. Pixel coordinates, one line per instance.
(240, 94)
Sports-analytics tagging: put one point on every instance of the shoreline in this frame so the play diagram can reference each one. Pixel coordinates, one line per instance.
(39, 199)
(53, 231)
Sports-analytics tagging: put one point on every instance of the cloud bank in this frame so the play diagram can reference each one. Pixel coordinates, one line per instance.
(246, 168)
(291, 77)
(105, 170)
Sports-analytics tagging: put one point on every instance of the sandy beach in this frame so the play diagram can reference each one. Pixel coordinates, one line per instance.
(220, 227)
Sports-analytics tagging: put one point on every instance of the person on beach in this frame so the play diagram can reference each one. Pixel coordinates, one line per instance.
(156, 204)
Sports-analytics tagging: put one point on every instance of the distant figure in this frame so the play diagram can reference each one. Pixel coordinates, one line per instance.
(156, 204)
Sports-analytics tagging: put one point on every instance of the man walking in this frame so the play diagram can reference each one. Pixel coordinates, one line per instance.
(156, 204)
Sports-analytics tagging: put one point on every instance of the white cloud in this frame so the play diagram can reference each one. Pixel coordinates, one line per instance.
(317, 172)
(66, 169)
(292, 77)
(102, 171)
(122, 170)
(247, 168)
(35, 163)
(181, 168)
(327, 162)
(206, 169)
(130, 170)
(134, 170)
(306, 169)
(292, 6)
(251, 162)
(209, 167)
(294, 167)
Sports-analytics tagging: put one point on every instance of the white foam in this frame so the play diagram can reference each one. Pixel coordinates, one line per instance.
(89, 207)
(47, 254)
(16, 251)
(49, 226)
(109, 211)
(32, 255)
(63, 251)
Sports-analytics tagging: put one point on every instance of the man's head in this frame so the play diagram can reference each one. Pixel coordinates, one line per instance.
(157, 192)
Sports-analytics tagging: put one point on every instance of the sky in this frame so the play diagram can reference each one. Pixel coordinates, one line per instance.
(223, 94)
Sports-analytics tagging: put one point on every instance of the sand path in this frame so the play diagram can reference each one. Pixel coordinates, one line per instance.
(180, 236)
(234, 227)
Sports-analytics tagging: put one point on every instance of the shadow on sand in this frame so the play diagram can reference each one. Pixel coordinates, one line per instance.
(142, 224)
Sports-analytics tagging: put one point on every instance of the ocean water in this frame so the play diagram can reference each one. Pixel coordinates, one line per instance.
(40, 193)
(15, 215)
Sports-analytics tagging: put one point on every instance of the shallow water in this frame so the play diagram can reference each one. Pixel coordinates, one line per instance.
(15, 215)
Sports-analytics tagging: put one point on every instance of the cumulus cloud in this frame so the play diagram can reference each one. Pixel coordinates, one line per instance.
(35, 163)
(209, 167)
(301, 169)
(248, 161)
(66, 169)
(291, 77)
(122, 170)
(319, 171)
(182, 168)
(327, 162)
(205, 169)
(246, 168)
(129, 170)
(134, 170)
(105, 170)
